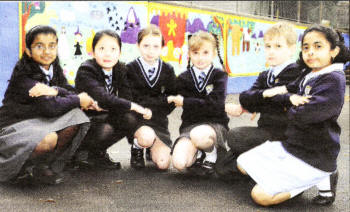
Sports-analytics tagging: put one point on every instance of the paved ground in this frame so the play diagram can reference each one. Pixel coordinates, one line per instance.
(151, 190)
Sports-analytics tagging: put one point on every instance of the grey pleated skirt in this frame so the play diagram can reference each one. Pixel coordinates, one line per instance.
(18, 141)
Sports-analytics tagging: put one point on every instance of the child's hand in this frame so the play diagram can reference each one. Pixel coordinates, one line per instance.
(179, 101)
(41, 89)
(271, 92)
(95, 106)
(170, 99)
(137, 108)
(85, 101)
(233, 109)
(148, 114)
(297, 100)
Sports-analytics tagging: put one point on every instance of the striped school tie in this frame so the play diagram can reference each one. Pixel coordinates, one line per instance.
(151, 73)
(109, 83)
(201, 79)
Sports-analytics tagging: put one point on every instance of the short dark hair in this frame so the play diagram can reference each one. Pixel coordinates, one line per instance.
(108, 32)
(39, 29)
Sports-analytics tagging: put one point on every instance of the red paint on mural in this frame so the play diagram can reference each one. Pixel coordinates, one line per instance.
(173, 27)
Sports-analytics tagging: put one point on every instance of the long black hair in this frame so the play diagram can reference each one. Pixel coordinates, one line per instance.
(334, 38)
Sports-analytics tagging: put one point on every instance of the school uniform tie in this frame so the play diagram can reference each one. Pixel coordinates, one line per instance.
(48, 78)
(109, 83)
(151, 73)
(201, 79)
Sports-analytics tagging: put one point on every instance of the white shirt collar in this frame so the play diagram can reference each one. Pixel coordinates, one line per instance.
(47, 72)
(326, 70)
(108, 73)
(276, 70)
(147, 67)
(197, 72)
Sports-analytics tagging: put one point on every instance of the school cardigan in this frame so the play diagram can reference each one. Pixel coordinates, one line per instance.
(153, 94)
(272, 114)
(206, 104)
(313, 132)
(19, 106)
(90, 78)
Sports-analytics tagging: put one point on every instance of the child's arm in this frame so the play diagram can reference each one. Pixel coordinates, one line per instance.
(326, 102)
(86, 81)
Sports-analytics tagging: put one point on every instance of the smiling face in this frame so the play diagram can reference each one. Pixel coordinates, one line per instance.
(107, 52)
(150, 48)
(317, 52)
(277, 51)
(43, 50)
(204, 56)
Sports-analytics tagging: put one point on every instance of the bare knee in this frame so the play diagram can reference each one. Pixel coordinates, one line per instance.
(262, 198)
(179, 163)
(145, 136)
(47, 144)
(203, 137)
(163, 162)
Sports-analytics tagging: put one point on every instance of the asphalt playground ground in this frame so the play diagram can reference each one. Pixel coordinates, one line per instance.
(152, 190)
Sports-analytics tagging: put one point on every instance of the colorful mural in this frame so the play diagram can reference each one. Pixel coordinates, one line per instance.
(240, 38)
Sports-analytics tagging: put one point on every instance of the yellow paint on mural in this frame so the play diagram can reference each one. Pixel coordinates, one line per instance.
(172, 26)
(41, 18)
(89, 43)
(170, 54)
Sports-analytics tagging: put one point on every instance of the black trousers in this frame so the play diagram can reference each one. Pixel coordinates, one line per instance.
(107, 129)
(242, 139)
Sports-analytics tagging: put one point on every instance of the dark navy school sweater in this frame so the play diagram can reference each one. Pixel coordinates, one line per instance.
(206, 104)
(19, 106)
(272, 114)
(153, 94)
(90, 79)
(313, 132)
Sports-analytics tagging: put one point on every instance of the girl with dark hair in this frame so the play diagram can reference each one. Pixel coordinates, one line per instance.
(152, 81)
(104, 78)
(201, 93)
(40, 120)
(308, 156)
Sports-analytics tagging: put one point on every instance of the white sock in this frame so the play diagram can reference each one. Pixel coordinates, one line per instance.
(325, 185)
(136, 144)
(211, 156)
(199, 154)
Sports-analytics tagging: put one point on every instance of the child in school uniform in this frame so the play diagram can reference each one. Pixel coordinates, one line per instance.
(308, 156)
(151, 81)
(280, 46)
(41, 122)
(201, 93)
(104, 79)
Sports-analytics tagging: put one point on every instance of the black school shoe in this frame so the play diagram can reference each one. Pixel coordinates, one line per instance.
(321, 200)
(43, 174)
(137, 161)
(103, 161)
(201, 167)
(85, 160)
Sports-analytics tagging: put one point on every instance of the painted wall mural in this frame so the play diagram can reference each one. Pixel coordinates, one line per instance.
(240, 38)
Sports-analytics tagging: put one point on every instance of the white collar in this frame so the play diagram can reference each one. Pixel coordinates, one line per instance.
(198, 71)
(326, 70)
(276, 70)
(147, 67)
(108, 73)
(47, 72)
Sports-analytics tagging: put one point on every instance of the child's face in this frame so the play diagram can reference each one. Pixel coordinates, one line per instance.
(43, 49)
(204, 56)
(277, 51)
(107, 52)
(316, 51)
(150, 48)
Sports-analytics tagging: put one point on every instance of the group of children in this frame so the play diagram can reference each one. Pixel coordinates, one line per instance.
(47, 124)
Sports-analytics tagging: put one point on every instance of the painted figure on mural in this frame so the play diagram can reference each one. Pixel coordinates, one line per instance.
(63, 46)
(78, 38)
(131, 27)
